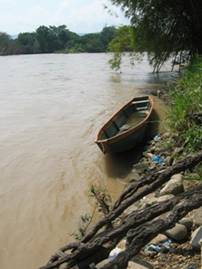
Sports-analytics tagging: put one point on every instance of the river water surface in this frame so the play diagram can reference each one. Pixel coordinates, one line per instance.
(51, 107)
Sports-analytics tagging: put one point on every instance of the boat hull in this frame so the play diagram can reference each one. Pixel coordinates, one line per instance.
(128, 139)
(125, 144)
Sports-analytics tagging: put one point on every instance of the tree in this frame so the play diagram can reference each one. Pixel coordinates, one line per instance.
(28, 43)
(122, 42)
(107, 35)
(54, 38)
(92, 43)
(47, 39)
(98, 42)
(4, 43)
(165, 28)
(63, 36)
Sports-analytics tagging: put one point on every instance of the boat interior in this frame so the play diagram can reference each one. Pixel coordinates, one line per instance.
(130, 116)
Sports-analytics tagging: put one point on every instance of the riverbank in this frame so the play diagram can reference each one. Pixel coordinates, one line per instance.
(182, 133)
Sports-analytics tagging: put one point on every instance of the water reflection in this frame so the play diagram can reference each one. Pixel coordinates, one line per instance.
(161, 77)
(119, 165)
(150, 78)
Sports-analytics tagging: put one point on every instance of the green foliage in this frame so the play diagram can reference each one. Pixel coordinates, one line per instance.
(28, 43)
(123, 41)
(186, 104)
(4, 40)
(165, 28)
(115, 62)
(102, 197)
(6, 44)
(95, 42)
(56, 39)
(103, 202)
(106, 36)
(91, 43)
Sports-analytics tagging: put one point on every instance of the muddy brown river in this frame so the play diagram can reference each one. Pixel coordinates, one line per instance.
(51, 107)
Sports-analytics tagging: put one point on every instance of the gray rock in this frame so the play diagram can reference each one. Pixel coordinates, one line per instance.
(174, 186)
(197, 216)
(135, 265)
(196, 238)
(177, 233)
(158, 239)
(188, 222)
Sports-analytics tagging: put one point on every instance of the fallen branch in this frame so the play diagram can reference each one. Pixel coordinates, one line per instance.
(140, 236)
(87, 252)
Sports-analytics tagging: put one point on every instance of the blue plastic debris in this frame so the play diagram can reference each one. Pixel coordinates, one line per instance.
(156, 248)
(157, 159)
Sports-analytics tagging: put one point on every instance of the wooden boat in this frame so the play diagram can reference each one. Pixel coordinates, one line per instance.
(127, 127)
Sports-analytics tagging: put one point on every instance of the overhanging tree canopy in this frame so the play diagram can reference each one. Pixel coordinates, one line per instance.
(165, 28)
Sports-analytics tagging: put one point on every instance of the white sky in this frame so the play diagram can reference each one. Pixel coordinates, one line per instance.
(80, 16)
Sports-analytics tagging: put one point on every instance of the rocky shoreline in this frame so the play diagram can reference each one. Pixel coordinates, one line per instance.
(178, 247)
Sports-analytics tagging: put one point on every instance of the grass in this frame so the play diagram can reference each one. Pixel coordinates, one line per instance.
(185, 102)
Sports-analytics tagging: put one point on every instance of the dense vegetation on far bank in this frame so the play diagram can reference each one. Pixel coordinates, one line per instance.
(56, 39)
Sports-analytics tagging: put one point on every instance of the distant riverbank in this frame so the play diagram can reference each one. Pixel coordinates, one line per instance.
(54, 39)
